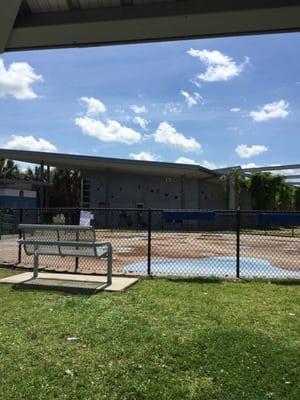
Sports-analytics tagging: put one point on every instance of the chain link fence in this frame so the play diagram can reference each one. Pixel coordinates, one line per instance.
(246, 244)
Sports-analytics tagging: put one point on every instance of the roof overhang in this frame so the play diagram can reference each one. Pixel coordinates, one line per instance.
(32, 24)
(81, 162)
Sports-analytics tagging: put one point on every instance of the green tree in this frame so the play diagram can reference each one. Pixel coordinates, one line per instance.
(236, 178)
(65, 188)
(9, 169)
(286, 197)
(271, 192)
(297, 199)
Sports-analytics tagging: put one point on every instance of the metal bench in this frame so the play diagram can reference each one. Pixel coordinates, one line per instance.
(64, 240)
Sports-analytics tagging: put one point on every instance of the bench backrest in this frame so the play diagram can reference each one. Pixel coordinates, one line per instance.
(53, 235)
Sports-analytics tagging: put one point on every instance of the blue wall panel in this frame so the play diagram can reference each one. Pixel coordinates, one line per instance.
(17, 202)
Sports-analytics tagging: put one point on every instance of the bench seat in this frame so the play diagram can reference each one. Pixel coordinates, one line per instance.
(51, 240)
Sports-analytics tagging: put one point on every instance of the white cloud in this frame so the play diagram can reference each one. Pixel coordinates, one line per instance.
(184, 160)
(17, 79)
(110, 131)
(277, 109)
(142, 122)
(212, 165)
(191, 99)
(245, 151)
(138, 109)
(283, 171)
(196, 83)
(249, 165)
(168, 135)
(170, 108)
(143, 156)
(93, 106)
(23, 166)
(235, 109)
(29, 143)
(219, 66)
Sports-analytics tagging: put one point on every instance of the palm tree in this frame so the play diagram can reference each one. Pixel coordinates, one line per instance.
(8, 169)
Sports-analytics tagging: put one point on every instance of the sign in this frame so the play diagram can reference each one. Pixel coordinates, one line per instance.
(85, 218)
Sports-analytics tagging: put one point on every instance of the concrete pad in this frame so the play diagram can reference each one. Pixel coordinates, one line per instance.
(56, 280)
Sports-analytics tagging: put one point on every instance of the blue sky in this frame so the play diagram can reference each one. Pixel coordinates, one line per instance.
(216, 102)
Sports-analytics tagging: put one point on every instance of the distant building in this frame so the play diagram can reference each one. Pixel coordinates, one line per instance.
(17, 194)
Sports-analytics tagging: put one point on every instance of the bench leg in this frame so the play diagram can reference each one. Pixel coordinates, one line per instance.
(35, 264)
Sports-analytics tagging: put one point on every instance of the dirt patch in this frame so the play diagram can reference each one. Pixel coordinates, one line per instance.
(132, 247)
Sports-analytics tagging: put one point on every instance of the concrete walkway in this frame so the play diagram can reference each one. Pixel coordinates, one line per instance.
(93, 283)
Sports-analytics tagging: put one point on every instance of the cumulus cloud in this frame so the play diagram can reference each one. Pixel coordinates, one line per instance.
(219, 66)
(142, 122)
(277, 109)
(143, 156)
(185, 160)
(191, 99)
(109, 131)
(93, 106)
(17, 79)
(235, 109)
(29, 143)
(168, 135)
(212, 165)
(138, 109)
(245, 151)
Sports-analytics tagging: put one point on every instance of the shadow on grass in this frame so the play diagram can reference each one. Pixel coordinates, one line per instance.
(25, 287)
(238, 361)
(286, 282)
(197, 279)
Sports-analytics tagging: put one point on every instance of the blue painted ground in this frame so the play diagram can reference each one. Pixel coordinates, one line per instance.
(213, 266)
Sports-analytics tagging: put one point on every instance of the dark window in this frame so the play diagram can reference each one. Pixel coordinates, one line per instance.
(175, 197)
(166, 194)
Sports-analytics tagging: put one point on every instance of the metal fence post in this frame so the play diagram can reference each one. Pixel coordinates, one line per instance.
(149, 242)
(20, 237)
(238, 231)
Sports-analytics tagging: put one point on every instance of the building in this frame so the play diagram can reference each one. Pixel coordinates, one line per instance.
(17, 194)
(117, 183)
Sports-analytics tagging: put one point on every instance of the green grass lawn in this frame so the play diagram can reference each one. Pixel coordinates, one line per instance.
(163, 339)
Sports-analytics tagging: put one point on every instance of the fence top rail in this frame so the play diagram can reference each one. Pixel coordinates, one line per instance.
(55, 227)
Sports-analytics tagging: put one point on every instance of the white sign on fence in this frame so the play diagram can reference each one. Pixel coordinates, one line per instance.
(85, 218)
